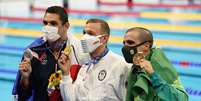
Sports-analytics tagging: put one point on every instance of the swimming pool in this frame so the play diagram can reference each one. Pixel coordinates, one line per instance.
(11, 51)
(186, 60)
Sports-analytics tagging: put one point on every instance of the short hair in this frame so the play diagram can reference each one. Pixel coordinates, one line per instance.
(63, 15)
(145, 34)
(104, 25)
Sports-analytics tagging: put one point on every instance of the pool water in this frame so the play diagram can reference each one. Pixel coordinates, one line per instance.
(187, 61)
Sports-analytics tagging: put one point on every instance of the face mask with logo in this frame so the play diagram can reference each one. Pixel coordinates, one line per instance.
(50, 33)
(129, 52)
(90, 43)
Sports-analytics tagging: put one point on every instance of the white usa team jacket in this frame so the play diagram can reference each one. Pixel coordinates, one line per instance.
(104, 81)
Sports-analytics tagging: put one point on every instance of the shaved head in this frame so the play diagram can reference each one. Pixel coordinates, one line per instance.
(143, 34)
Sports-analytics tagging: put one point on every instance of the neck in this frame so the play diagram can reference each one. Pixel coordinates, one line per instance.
(56, 46)
(64, 38)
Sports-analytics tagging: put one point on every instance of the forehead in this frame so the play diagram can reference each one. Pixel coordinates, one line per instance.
(133, 36)
(51, 17)
(96, 27)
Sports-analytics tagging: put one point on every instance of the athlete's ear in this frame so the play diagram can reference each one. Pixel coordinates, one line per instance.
(105, 38)
(146, 46)
(67, 25)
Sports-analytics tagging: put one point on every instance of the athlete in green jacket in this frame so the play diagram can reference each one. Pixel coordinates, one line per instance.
(152, 77)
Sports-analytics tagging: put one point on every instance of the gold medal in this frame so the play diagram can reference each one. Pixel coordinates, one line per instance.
(67, 50)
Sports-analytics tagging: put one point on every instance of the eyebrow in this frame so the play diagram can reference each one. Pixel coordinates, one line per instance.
(51, 22)
(88, 31)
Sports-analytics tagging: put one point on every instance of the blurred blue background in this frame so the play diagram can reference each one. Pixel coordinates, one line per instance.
(176, 28)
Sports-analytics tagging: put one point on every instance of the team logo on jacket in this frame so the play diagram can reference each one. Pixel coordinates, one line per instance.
(101, 75)
(43, 59)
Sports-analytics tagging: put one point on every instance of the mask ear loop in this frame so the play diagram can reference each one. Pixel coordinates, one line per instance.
(100, 36)
(141, 53)
(141, 43)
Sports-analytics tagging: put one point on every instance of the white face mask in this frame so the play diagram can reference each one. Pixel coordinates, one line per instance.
(50, 33)
(90, 43)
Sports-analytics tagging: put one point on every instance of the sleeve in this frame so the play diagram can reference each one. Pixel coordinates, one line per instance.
(120, 81)
(74, 70)
(67, 89)
(166, 91)
(24, 94)
(18, 92)
(122, 87)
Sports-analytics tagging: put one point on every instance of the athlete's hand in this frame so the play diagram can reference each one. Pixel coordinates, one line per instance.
(64, 63)
(139, 59)
(25, 68)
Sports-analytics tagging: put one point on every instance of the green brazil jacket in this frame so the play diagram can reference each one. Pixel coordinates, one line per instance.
(162, 85)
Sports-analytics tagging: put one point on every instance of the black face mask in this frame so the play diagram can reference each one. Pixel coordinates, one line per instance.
(129, 52)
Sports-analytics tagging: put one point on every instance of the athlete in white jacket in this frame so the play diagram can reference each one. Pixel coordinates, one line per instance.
(103, 78)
